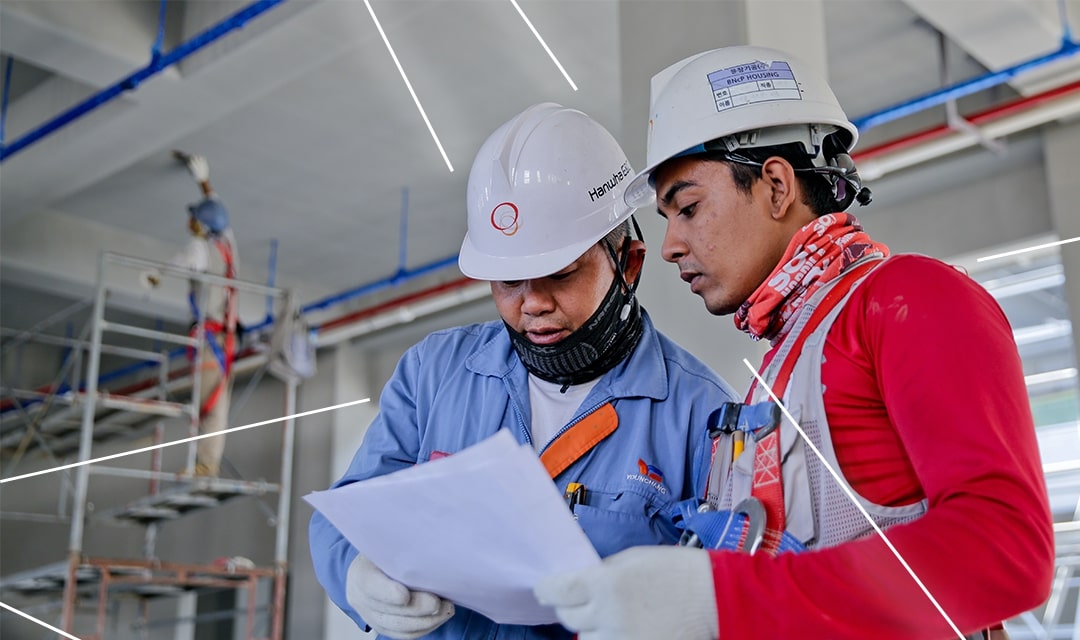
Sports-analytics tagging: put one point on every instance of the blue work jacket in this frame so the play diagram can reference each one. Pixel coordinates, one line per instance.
(459, 386)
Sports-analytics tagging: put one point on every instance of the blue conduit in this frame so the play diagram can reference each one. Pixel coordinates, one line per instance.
(236, 21)
(401, 277)
(1068, 48)
(155, 50)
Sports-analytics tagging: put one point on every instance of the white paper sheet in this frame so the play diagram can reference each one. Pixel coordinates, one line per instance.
(480, 527)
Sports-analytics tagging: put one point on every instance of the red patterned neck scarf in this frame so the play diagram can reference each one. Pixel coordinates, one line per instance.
(819, 252)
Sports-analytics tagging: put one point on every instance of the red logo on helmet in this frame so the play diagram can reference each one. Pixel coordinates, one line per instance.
(504, 217)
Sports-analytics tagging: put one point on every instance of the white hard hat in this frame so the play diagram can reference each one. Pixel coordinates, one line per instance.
(544, 187)
(736, 90)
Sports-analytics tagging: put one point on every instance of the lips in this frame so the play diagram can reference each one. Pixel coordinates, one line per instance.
(693, 278)
(545, 335)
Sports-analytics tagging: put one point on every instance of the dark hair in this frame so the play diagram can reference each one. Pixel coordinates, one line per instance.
(615, 237)
(817, 191)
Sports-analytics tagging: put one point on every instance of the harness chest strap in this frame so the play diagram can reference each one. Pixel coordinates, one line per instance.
(579, 439)
(767, 484)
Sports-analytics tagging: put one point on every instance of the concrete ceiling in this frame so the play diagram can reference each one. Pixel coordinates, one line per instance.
(312, 136)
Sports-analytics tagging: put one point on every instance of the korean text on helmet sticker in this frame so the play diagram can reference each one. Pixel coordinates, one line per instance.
(752, 83)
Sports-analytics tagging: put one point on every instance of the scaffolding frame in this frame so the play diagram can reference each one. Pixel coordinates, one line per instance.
(151, 575)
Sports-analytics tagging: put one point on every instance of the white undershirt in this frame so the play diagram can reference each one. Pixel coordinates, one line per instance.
(551, 410)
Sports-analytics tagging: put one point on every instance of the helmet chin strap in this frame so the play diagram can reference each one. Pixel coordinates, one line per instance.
(621, 259)
(840, 172)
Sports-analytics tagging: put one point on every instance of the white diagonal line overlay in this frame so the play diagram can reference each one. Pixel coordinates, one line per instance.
(1026, 249)
(854, 501)
(33, 619)
(408, 85)
(543, 44)
(183, 440)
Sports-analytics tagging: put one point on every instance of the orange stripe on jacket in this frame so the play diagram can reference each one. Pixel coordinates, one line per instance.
(579, 439)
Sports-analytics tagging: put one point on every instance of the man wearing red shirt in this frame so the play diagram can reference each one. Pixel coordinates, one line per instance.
(909, 502)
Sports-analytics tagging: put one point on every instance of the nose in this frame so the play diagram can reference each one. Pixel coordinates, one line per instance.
(536, 298)
(673, 247)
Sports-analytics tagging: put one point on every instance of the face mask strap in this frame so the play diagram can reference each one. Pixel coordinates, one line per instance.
(621, 259)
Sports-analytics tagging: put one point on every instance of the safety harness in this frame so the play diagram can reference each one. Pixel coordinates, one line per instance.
(759, 522)
(768, 484)
(224, 353)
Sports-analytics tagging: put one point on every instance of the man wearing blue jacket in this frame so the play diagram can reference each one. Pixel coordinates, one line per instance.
(575, 368)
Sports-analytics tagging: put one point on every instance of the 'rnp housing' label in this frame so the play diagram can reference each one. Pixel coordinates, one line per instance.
(753, 82)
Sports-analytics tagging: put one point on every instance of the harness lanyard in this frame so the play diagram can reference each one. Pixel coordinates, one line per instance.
(767, 485)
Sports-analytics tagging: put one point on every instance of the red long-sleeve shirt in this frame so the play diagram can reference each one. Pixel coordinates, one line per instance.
(925, 397)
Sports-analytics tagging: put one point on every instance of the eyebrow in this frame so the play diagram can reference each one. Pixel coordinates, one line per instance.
(675, 189)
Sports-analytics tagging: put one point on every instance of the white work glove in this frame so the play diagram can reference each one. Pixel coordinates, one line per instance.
(149, 279)
(199, 168)
(389, 607)
(641, 593)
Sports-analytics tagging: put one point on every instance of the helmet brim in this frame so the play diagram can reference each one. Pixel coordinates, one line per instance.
(640, 192)
(480, 266)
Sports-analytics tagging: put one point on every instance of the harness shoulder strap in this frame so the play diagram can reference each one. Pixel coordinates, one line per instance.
(833, 298)
(767, 483)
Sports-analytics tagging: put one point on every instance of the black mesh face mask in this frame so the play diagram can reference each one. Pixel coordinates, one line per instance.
(605, 340)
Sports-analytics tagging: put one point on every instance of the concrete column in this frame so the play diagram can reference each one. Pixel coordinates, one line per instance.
(796, 26)
(1061, 145)
(654, 35)
(351, 381)
(186, 608)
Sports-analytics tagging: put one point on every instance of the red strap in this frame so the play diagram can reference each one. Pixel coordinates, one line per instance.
(225, 249)
(212, 399)
(768, 483)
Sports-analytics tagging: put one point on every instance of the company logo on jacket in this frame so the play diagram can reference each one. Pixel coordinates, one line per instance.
(649, 475)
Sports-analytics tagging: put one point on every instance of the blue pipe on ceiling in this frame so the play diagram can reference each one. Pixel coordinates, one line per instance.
(157, 64)
(941, 96)
(401, 277)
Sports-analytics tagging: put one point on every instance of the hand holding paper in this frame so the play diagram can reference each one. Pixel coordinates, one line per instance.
(389, 607)
(479, 528)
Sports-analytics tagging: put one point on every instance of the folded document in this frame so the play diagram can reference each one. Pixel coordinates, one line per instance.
(480, 528)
